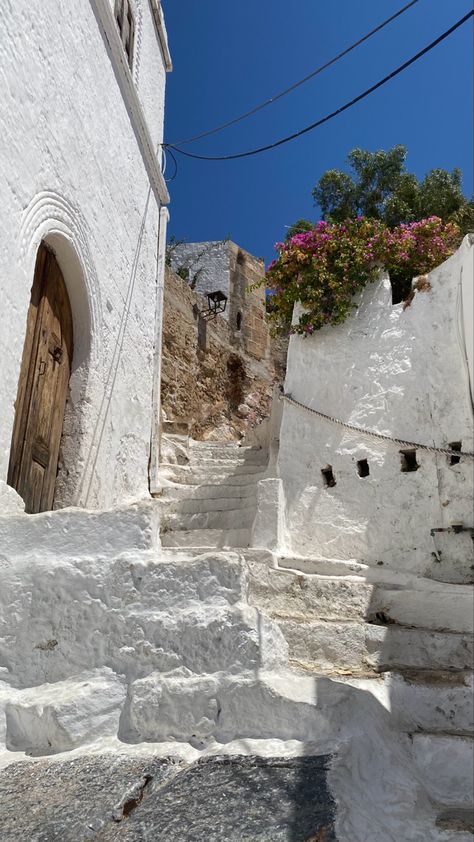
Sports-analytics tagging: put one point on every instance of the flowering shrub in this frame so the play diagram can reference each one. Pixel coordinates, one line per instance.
(416, 248)
(323, 268)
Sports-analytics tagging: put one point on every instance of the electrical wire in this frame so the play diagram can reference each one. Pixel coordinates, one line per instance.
(333, 114)
(169, 180)
(300, 82)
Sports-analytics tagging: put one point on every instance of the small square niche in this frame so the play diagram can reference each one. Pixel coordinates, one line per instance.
(453, 459)
(363, 468)
(328, 476)
(409, 463)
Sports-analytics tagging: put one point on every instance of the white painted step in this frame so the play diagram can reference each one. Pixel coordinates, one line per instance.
(446, 766)
(209, 493)
(305, 597)
(207, 538)
(438, 703)
(196, 505)
(216, 519)
(132, 614)
(227, 459)
(359, 648)
(73, 533)
(209, 474)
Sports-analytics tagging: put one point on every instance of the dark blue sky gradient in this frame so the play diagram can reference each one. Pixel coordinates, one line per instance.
(230, 56)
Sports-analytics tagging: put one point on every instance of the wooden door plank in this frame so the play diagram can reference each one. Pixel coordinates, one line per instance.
(25, 383)
(43, 388)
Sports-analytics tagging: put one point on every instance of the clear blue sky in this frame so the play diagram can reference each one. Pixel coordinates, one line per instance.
(230, 56)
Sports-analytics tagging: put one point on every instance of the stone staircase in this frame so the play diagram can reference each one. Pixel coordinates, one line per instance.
(105, 636)
(210, 501)
(408, 641)
(405, 641)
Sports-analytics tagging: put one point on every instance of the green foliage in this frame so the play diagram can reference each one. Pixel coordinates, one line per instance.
(299, 227)
(381, 188)
(323, 268)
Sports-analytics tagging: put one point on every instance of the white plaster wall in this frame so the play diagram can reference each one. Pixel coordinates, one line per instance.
(72, 172)
(212, 258)
(398, 372)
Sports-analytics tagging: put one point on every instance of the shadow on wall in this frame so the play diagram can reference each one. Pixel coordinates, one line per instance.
(236, 378)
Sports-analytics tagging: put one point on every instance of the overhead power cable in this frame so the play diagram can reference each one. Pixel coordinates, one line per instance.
(300, 82)
(333, 114)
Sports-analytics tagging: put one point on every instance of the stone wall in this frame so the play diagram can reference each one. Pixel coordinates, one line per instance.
(401, 371)
(204, 265)
(208, 377)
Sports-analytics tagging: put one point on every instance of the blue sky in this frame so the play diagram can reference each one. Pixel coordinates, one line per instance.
(230, 56)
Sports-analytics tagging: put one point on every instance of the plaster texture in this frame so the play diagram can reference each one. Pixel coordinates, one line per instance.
(79, 171)
(400, 371)
(79, 533)
(134, 614)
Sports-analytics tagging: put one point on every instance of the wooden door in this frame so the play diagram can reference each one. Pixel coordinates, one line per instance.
(42, 387)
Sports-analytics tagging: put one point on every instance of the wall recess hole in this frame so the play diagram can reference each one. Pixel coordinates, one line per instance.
(328, 476)
(238, 321)
(455, 445)
(363, 468)
(409, 462)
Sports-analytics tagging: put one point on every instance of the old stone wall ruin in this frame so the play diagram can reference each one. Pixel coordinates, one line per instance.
(215, 378)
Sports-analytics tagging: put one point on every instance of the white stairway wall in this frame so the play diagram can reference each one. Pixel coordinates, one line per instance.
(401, 372)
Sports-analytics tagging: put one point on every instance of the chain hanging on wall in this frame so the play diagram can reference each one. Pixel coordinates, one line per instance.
(372, 434)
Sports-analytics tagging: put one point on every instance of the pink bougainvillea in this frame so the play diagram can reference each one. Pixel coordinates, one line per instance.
(322, 269)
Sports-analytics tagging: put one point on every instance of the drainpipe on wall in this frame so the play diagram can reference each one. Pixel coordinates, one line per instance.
(153, 482)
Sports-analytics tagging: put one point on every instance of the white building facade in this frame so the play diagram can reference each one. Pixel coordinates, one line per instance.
(82, 190)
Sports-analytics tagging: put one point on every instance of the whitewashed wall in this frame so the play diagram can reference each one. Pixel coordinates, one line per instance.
(402, 373)
(77, 169)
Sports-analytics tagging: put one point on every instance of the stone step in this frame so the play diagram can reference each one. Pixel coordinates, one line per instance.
(356, 648)
(59, 717)
(181, 706)
(459, 821)
(74, 533)
(446, 767)
(208, 493)
(173, 584)
(207, 538)
(239, 518)
(194, 505)
(211, 476)
(227, 461)
(435, 702)
(133, 614)
(304, 597)
(224, 445)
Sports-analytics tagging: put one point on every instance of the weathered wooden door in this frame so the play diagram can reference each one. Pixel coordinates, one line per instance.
(42, 387)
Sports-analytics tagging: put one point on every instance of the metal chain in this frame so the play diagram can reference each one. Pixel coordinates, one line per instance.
(373, 434)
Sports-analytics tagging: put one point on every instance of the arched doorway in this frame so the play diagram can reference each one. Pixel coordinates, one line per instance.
(42, 387)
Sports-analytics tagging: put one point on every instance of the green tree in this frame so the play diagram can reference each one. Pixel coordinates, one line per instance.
(299, 227)
(380, 187)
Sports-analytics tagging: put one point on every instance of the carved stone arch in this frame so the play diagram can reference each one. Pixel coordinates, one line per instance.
(53, 220)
